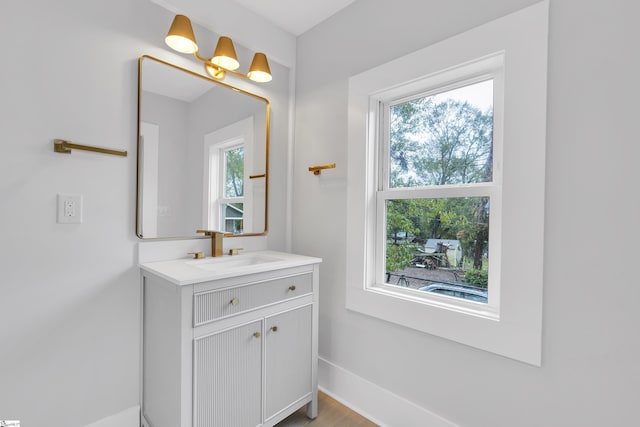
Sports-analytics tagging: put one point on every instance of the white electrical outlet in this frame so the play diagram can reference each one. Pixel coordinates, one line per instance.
(69, 208)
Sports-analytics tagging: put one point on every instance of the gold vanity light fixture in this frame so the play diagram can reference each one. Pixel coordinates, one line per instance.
(182, 39)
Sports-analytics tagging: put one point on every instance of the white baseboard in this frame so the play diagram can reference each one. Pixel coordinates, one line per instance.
(364, 397)
(127, 418)
(373, 402)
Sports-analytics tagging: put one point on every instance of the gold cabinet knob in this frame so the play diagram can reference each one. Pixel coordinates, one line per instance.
(256, 334)
(234, 301)
(292, 288)
(274, 328)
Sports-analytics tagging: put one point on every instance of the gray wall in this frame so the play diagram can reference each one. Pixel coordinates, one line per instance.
(171, 116)
(69, 294)
(590, 373)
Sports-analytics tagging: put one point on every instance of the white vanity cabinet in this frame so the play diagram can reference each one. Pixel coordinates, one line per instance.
(238, 349)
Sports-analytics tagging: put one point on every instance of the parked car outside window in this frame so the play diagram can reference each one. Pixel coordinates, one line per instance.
(470, 293)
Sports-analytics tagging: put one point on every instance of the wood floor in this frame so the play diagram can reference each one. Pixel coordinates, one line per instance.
(330, 414)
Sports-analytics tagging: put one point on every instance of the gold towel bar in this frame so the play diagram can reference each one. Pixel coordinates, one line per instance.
(316, 169)
(62, 146)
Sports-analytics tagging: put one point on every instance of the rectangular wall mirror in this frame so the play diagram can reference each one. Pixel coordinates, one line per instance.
(203, 154)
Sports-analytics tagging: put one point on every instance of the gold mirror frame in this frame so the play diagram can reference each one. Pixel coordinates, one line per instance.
(264, 175)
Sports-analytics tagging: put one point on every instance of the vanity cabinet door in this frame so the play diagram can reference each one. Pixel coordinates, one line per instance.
(287, 358)
(228, 378)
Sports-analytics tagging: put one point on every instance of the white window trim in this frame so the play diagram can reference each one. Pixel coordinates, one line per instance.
(515, 329)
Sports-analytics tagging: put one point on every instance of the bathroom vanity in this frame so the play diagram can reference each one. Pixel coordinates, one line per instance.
(229, 341)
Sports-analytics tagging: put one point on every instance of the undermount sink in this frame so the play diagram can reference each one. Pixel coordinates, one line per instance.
(228, 263)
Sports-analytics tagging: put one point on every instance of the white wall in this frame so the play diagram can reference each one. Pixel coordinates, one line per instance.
(69, 294)
(590, 369)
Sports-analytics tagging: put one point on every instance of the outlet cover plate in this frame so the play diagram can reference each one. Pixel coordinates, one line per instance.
(69, 208)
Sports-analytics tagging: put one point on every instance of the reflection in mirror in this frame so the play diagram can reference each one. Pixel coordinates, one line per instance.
(202, 154)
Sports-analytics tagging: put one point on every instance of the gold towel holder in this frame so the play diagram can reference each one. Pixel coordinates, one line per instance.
(62, 146)
(316, 169)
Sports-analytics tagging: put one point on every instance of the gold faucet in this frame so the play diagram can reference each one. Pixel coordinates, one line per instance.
(216, 240)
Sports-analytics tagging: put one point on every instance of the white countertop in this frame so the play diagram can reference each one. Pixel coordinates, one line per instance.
(187, 271)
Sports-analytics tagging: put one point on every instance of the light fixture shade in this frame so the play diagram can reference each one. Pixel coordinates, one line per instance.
(259, 70)
(225, 54)
(180, 36)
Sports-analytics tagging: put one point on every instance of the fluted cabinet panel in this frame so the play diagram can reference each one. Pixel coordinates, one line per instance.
(287, 358)
(228, 378)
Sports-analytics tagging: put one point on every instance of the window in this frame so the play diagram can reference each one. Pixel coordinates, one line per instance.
(438, 151)
(437, 187)
(420, 200)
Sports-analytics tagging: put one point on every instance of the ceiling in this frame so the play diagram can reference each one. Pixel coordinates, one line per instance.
(295, 16)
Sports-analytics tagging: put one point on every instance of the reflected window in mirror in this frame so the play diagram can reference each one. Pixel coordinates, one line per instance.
(232, 206)
(230, 190)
